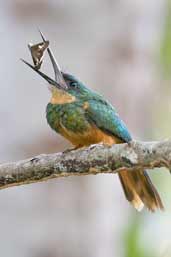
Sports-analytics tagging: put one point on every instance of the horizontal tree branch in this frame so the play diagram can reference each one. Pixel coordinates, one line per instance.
(85, 161)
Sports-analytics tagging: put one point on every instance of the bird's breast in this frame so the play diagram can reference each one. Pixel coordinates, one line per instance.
(71, 122)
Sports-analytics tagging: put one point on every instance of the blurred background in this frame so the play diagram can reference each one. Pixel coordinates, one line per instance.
(123, 50)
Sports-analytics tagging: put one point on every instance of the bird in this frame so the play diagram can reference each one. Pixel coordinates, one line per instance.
(84, 117)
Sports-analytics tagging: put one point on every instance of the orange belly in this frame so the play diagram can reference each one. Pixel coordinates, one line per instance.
(91, 136)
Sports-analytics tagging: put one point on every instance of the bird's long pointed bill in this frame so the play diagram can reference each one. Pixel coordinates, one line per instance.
(48, 79)
(57, 71)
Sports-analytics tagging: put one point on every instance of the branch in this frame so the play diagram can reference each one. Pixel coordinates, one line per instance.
(92, 160)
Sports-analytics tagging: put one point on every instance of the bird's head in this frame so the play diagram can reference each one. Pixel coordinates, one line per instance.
(70, 90)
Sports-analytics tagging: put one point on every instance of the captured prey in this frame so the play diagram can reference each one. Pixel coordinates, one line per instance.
(37, 53)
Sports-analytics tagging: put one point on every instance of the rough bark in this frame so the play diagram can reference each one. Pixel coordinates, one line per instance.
(95, 159)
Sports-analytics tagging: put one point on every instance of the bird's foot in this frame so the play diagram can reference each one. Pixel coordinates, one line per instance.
(71, 149)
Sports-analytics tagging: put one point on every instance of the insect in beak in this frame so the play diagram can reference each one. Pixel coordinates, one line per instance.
(37, 53)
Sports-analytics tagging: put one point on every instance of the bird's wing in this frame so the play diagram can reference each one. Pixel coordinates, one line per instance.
(105, 117)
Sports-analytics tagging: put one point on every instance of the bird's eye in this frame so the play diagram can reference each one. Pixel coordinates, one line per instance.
(74, 84)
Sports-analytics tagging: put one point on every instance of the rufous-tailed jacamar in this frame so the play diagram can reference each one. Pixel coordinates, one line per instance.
(84, 117)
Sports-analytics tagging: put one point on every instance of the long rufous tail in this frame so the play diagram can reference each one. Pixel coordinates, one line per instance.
(139, 190)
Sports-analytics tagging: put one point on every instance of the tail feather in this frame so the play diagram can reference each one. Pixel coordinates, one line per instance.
(139, 190)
